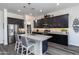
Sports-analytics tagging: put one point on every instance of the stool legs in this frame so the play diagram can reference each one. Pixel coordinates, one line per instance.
(17, 47)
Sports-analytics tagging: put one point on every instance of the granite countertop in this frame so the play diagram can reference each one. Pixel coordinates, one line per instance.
(37, 37)
(60, 33)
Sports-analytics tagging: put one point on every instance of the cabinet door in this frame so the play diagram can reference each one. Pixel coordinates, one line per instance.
(44, 46)
(40, 23)
(46, 23)
(61, 21)
(35, 24)
(51, 22)
(21, 23)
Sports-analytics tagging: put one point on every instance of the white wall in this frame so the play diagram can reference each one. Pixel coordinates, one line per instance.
(1, 27)
(73, 13)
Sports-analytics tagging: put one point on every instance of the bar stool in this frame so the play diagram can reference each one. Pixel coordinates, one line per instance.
(27, 46)
(17, 44)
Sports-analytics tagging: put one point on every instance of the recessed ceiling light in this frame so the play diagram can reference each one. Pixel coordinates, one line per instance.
(28, 3)
(58, 4)
(19, 10)
(41, 10)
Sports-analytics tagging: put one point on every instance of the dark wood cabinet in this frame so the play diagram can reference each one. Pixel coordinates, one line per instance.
(44, 46)
(61, 21)
(56, 38)
(35, 24)
(19, 22)
(53, 22)
(40, 23)
(60, 39)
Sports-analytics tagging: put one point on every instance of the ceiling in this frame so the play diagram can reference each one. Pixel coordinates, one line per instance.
(34, 8)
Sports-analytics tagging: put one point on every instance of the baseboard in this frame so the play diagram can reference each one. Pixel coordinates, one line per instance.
(73, 45)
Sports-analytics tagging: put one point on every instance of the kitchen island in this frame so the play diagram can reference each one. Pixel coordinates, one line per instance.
(57, 37)
(41, 43)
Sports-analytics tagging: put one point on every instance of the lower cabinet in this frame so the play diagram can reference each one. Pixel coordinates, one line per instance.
(60, 39)
(56, 38)
(44, 46)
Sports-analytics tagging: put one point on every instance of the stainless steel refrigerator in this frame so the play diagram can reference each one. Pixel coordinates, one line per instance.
(12, 30)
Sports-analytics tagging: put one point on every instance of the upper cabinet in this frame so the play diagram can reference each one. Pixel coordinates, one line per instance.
(40, 23)
(61, 21)
(19, 22)
(53, 22)
(35, 24)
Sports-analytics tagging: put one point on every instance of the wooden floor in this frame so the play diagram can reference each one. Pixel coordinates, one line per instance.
(53, 49)
(7, 50)
(56, 49)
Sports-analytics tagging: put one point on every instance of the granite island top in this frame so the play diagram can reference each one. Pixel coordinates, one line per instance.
(37, 37)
